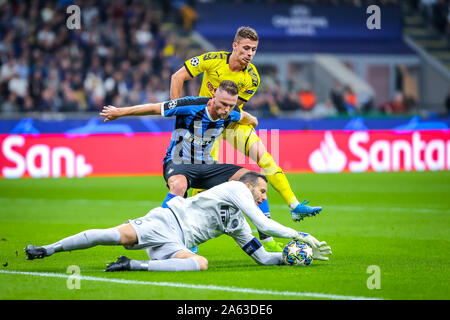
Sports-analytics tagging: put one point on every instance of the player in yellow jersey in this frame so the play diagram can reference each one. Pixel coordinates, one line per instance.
(237, 66)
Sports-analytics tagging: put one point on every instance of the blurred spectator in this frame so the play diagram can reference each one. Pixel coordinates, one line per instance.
(118, 49)
(188, 16)
(37, 86)
(307, 99)
(10, 106)
(337, 97)
(350, 98)
(325, 109)
(291, 102)
(396, 106)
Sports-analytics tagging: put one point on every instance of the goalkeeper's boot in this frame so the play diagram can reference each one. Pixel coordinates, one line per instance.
(34, 252)
(302, 210)
(122, 264)
(272, 246)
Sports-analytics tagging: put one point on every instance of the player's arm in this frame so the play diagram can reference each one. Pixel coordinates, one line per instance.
(241, 197)
(177, 82)
(251, 245)
(191, 68)
(112, 113)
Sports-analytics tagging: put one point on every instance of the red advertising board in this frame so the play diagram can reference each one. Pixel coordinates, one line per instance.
(61, 155)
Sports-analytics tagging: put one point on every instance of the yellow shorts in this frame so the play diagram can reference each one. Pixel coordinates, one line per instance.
(240, 136)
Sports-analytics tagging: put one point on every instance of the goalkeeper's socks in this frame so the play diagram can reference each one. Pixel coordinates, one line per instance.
(168, 197)
(173, 264)
(84, 240)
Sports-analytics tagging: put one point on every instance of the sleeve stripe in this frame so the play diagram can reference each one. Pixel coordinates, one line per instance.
(187, 69)
(252, 246)
(242, 99)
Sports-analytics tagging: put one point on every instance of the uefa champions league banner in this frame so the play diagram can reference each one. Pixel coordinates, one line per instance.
(285, 21)
(62, 155)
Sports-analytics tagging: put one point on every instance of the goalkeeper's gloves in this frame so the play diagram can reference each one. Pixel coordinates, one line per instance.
(320, 248)
(302, 210)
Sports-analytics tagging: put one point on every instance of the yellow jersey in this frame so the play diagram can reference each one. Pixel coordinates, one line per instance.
(215, 68)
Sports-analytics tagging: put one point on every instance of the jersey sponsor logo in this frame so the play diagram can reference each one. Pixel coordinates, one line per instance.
(210, 87)
(195, 61)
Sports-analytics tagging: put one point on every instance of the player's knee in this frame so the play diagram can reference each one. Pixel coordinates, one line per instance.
(178, 185)
(202, 262)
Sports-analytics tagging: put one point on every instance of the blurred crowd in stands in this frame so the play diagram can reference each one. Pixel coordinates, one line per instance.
(125, 54)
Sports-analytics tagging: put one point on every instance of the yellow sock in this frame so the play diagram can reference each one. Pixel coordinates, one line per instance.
(277, 178)
(196, 191)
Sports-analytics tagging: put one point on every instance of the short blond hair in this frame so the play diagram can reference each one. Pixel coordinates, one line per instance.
(246, 33)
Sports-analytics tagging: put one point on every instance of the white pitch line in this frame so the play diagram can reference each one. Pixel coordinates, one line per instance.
(150, 204)
(195, 286)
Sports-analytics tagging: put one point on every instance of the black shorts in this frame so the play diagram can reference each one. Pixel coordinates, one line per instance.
(201, 176)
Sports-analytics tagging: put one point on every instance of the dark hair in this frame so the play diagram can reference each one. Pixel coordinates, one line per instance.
(252, 177)
(229, 87)
(245, 33)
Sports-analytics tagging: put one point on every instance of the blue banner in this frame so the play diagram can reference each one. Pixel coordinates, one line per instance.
(276, 21)
(145, 124)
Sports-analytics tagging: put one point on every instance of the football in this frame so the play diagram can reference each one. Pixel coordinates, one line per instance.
(297, 253)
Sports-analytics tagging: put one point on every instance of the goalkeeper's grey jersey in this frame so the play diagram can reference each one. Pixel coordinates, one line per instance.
(218, 211)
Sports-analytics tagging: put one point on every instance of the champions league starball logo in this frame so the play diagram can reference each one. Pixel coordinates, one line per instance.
(195, 61)
(172, 104)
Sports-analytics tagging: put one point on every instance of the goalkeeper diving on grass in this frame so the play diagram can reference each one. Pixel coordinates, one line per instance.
(167, 233)
(236, 66)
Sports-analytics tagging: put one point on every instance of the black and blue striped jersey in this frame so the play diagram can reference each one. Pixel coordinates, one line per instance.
(195, 131)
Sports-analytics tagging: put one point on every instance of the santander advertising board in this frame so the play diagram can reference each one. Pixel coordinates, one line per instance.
(363, 151)
(59, 155)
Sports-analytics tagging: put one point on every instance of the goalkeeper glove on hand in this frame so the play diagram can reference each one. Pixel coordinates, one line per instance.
(302, 210)
(320, 248)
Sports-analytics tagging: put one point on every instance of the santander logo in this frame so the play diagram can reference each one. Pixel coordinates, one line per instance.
(328, 158)
(51, 160)
(364, 152)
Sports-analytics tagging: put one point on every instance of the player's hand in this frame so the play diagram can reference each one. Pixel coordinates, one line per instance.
(253, 121)
(320, 248)
(248, 119)
(110, 113)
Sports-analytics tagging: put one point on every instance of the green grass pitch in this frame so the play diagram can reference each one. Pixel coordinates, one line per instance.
(398, 222)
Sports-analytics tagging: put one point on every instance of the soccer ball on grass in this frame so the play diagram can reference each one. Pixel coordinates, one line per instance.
(297, 253)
